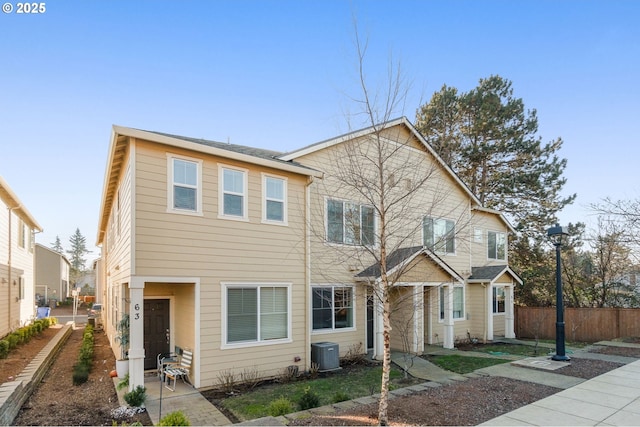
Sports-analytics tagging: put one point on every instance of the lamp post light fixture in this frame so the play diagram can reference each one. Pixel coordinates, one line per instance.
(556, 234)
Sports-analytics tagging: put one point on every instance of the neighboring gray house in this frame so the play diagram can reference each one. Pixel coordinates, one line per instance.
(52, 275)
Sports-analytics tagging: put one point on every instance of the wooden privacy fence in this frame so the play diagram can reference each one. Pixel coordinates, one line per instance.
(581, 324)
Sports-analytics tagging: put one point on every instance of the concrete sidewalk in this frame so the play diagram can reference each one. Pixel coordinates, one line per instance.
(611, 399)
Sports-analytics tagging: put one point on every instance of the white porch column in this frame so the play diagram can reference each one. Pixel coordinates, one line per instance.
(448, 316)
(136, 334)
(378, 327)
(509, 330)
(489, 310)
(418, 320)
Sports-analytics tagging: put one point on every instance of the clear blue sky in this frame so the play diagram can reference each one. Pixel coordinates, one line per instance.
(279, 75)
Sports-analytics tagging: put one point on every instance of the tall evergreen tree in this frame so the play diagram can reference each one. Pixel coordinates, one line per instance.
(57, 245)
(78, 250)
(491, 142)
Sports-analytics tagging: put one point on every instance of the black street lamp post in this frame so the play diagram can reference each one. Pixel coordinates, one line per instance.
(556, 234)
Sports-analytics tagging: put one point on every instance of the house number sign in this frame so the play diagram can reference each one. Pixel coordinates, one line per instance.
(136, 308)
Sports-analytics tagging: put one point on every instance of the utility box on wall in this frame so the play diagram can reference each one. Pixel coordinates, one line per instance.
(326, 355)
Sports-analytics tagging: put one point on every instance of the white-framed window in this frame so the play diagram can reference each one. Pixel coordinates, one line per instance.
(439, 235)
(332, 307)
(185, 185)
(458, 301)
(349, 223)
(21, 290)
(233, 193)
(274, 196)
(256, 313)
(498, 300)
(496, 245)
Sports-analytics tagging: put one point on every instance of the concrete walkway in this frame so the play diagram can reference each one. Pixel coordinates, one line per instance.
(160, 401)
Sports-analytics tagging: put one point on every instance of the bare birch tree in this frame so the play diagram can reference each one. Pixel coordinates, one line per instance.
(396, 182)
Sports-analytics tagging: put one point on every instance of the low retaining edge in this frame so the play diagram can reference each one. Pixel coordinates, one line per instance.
(13, 394)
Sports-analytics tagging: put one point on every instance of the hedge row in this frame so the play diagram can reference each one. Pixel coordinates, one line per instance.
(23, 335)
(85, 358)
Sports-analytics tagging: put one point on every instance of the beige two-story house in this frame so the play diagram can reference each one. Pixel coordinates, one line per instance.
(204, 247)
(249, 257)
(446, 254)
(17, 228)
(52, 275)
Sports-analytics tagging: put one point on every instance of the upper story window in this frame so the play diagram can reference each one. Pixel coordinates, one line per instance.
(233, 193)
(350, 223)
(439, 234)
(496, 245)
(185, 194)
(274, 208)
(22, 234)
(498, 299)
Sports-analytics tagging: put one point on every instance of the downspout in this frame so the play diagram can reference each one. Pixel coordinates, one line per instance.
(307, 270)
(9, 267)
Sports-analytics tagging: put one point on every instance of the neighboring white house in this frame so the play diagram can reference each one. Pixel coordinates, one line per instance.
(17, 228)
(52, 275)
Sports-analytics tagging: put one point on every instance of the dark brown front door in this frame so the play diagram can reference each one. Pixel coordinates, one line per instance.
(156, 330)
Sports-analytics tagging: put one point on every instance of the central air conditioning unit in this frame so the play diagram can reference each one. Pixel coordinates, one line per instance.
(326, 355)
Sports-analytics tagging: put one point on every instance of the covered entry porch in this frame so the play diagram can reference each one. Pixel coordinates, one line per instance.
(163, 313)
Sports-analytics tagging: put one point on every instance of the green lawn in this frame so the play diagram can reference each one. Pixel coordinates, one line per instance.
(464, 364)
(353, 383)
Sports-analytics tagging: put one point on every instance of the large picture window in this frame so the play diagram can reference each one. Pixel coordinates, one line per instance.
(350, 223)
(458, 301)
(257, 313)
(439, 235)
(332, 307)
(496, 245)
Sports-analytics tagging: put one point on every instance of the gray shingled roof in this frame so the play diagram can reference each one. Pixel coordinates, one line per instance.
(488, 272)
(396, 258)
(242, 149)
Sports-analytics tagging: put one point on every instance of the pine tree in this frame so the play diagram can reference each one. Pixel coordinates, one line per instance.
(78, 250)
(57, 245)
(491, 142)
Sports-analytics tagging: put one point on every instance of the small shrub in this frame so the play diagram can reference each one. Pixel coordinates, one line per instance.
(136, 397)
(355, 355)
(175, 418)
(227, 381)
(250, 378)
(123, 382)
(13, 339)
(4, 349)
(340, 396)
(280, 406)
(288, 374)
(309, 399)
(314, 370)
(80, 374)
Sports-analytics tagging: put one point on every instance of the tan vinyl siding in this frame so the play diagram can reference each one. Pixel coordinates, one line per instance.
(477, 310)
(485, 221)
(220, 251)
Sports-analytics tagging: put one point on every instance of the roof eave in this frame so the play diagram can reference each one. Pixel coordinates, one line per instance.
(14, 203)
(180, 143)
